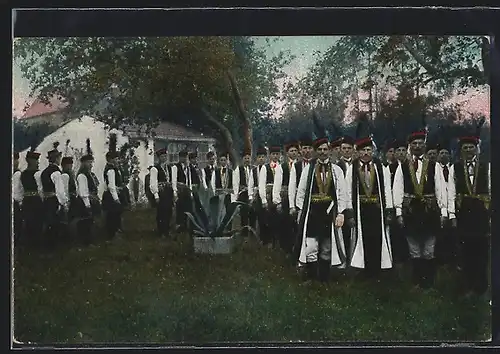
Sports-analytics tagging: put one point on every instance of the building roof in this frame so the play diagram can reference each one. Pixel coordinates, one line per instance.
(170, 131)
(38, 108)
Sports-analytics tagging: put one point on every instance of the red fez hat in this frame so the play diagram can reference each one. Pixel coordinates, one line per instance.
(468, 140)
(318, 142)
(161, 151)
(336, 142)
(261, 151)
(275, 149)
(347, 140)
(417, 135)
(66, 160)
(33, 155)
(112, 154)
(246, 152)
(87, 157)
(364, 142)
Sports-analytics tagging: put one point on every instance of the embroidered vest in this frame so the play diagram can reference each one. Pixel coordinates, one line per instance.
(208, 174)
(162, 176)
(47, 184)
(92, 181)
(270, 174)
(480, 180)
(118, 176)
(243, 176)
(181, 176)
(71, 184)
(228, 176)
(429, 181)
(28, 181)
(286, 174)
(298, 172)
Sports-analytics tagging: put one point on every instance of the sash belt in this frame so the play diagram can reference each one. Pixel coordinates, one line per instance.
(318, 198)
(368, 200)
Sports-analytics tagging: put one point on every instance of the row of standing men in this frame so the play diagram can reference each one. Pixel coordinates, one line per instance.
(333, 204)
(330, 204)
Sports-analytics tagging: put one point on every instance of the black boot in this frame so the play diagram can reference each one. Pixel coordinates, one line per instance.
(324, 271)
(427, 276)
(416, 271)
(432, 271)
(312, 271)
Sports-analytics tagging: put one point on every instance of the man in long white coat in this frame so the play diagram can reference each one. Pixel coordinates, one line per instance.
(369, 186)
(321, 199)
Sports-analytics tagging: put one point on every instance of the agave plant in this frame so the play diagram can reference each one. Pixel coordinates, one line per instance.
(213, 220)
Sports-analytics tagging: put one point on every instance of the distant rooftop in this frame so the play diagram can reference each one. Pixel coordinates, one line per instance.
(38, 108)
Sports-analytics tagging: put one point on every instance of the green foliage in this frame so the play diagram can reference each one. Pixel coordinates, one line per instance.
(213, 220)
(142, 289)
(144, 80)
(25, 135)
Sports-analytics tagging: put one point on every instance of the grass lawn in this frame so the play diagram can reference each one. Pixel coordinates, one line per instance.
(143, 289)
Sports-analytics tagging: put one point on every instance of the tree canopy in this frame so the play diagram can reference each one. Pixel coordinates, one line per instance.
(205, 83)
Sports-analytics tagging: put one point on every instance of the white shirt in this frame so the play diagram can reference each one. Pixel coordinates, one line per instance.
(263, 183)
(153, 172)
(56, 178)
(65, 179)
(17, 187)
(83, 189)
(112, 185)
(249, 179)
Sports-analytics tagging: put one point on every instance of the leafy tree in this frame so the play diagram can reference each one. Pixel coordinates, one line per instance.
(206, 83)
(25, 135)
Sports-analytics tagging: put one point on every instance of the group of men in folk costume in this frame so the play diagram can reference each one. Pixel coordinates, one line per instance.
(329, 203)
(46, 202)
(370, 214)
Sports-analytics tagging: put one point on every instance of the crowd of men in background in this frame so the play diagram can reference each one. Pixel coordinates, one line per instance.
(327, 203)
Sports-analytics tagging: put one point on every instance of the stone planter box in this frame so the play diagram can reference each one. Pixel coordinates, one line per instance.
(217, 245)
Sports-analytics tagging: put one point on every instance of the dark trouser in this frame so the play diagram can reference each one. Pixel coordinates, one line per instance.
(85, 224)
(286, 228)
(475, 262)
(399, 244)
(53, 221)
(319, 226)
(246, 212)
(32, 214)
(473, 229)
(184, 205)
(113, 211)
(164, 212)
(84, 229)
(269, 225)
(371, 226)
(346, 235)
(447, 246)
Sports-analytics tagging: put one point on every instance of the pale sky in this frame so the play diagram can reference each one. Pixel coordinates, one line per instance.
(302, 47)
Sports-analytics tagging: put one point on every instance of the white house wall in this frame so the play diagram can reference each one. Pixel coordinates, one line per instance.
(78, 131)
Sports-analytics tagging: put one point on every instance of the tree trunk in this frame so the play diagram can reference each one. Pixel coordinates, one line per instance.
(225, 135)
(246, 124)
